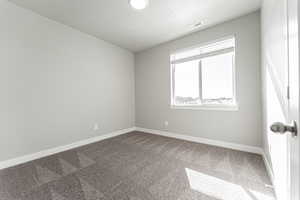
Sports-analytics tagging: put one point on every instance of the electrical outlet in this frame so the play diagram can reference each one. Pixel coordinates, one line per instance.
(96, 127)
(166, 123)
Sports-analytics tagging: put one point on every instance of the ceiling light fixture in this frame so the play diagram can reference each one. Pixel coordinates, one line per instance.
(139, 4)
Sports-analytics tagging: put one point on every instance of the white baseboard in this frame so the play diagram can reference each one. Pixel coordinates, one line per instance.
(48, 152)
(268, 166)
(240, 147)
(246, 148)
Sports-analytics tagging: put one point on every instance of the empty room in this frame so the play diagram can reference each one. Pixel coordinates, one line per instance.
(149, 100)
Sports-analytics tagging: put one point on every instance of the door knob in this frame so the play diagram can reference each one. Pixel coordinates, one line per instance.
(281, 128)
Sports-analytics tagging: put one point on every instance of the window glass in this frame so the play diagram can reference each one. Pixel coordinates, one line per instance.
(187, 83)
(217, 78)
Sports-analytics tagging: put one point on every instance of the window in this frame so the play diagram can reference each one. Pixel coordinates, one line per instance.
(204, 77)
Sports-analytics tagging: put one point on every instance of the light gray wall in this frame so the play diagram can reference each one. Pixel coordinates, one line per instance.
(56, 83)
(152, 74)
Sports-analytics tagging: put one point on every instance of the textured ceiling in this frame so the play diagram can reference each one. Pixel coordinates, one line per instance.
(116, 22)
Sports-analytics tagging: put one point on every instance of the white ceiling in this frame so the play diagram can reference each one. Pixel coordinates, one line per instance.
(115, 21)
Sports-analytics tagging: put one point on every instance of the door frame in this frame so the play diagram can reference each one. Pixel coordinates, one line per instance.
(293, 92)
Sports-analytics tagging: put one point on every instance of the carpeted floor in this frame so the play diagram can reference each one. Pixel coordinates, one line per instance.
(140, 166)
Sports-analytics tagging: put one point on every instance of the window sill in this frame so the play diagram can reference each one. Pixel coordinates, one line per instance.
(234, 107)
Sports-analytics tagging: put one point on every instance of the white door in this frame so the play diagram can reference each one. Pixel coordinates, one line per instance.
(294, 104)
(281, 88)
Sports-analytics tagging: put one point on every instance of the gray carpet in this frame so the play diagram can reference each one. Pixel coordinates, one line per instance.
(140, 166)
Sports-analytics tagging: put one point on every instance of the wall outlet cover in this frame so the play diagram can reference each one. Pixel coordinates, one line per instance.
(96, 127)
